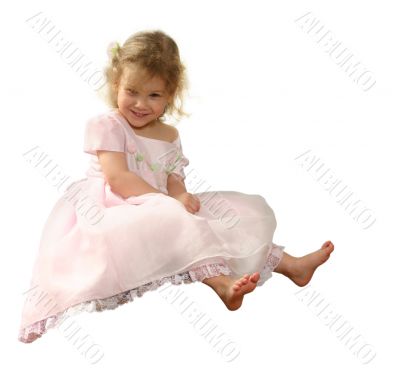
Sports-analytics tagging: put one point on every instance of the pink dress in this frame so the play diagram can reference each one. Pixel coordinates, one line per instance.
(99, 250)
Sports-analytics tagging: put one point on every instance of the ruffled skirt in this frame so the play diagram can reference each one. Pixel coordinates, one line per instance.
(131, 246)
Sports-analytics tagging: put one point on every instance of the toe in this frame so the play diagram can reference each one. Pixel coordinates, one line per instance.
(255, 277)
(328, 245)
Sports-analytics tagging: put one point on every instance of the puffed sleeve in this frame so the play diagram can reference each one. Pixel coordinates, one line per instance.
(178, 162)
(103, 133)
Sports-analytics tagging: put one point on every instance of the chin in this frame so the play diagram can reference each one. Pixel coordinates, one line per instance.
(140, 124)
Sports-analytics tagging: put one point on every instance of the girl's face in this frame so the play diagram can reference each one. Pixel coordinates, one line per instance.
(141, 104)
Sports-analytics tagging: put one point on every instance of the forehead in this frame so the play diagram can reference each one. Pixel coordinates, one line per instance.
(135, 78)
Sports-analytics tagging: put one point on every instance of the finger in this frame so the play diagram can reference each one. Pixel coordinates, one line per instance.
(189, 208)
(195, 207)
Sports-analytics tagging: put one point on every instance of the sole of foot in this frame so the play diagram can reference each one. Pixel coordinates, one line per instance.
(305, 266)
(235, 291)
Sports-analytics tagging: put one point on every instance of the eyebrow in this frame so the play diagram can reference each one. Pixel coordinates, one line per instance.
(133, 88)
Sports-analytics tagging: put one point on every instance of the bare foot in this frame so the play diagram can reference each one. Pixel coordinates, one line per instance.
(234, 290)
(304, 267)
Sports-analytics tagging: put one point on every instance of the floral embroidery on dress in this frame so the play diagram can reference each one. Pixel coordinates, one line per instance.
(155, 167)
(172, 166)
(131, 147)
(139, 156)
(156, 171)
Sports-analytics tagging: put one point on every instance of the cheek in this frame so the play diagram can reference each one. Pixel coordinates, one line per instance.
(159, 106)
(125, 100)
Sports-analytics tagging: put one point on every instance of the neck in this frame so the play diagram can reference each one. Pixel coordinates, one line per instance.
(149, 125)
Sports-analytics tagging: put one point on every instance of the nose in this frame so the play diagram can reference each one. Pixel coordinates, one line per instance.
(140, 105)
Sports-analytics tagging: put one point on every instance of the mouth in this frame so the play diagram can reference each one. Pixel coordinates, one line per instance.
(139, 115)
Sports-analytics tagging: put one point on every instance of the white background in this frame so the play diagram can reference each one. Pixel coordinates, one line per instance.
(262, 92)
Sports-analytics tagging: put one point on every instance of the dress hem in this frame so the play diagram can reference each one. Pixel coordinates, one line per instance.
(199, 273)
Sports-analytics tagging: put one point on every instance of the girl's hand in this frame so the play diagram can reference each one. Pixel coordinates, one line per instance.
(190, 201)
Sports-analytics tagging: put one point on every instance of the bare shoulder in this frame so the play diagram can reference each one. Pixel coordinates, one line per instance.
(171, 132)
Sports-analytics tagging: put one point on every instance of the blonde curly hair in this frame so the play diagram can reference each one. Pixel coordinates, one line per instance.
(149, 53)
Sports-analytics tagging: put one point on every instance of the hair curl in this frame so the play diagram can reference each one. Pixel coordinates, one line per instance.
(150, 53)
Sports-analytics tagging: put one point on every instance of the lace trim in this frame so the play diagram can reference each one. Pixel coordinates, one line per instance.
(273, 259)
(208, 270)
(37, 329)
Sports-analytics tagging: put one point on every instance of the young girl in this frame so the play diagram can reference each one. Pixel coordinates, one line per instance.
(131, 225)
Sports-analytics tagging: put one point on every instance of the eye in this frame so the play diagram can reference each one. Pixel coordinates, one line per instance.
(155, 94)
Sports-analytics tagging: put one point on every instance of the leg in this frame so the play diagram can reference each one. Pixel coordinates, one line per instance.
(300, 270)
(231, 290)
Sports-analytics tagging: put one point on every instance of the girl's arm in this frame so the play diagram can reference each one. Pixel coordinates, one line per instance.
(128, 183)
(175, 185)
(121, 180)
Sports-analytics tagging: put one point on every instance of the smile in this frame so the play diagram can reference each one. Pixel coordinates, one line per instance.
(140, 115)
